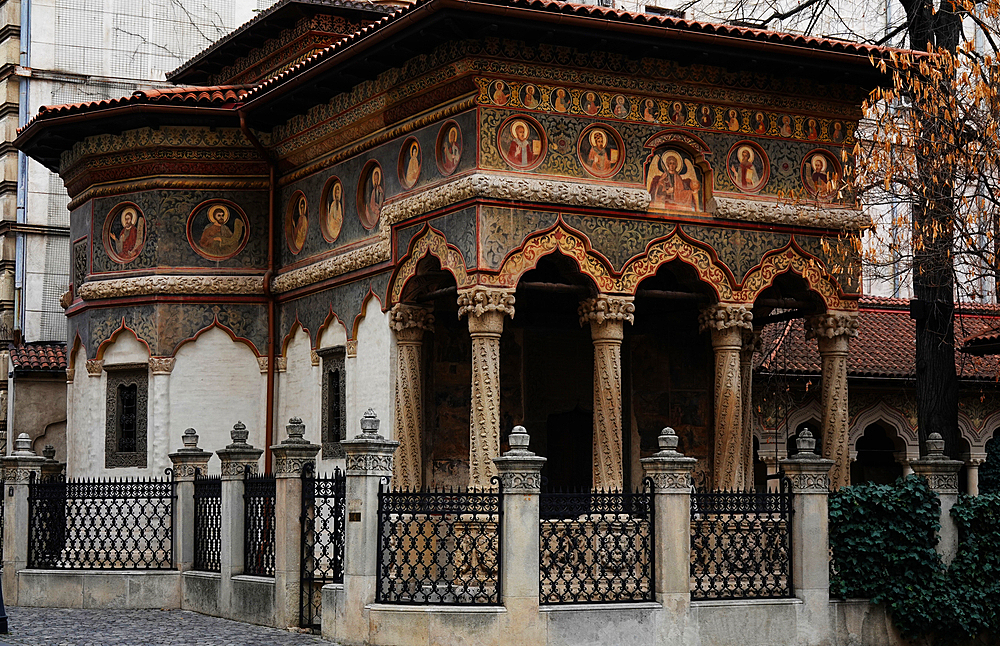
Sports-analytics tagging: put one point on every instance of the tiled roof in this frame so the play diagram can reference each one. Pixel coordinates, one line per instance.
(38, 356)
(217, 96)
(885, 346)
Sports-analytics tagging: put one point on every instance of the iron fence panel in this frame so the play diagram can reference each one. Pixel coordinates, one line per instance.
(258, 525)
(440, 547)
(208, 524)
(323, 526)
(595, 547)
(741, 544)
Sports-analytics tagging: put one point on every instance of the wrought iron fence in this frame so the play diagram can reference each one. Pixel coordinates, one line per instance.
(323, 519)
(258, 524)
(122, 524)
(741, 544)
(208, 523)
(595, 547)
(439, 547)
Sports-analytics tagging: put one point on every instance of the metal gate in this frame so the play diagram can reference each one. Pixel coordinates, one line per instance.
(323, 519)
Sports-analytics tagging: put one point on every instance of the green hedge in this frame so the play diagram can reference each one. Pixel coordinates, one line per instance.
(882, 539)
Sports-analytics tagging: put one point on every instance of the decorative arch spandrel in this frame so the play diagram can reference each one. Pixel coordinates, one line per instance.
(678, 246)
(791, 258)
(429, 242)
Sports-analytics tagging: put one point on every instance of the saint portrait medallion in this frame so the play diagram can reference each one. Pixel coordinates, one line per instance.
(331, 220)
(499, 92)
(600, 150)
(296, 222)
(124, 232)
(620, 106)
(821, 175)
(448, 147)
(521, 142)
(560, 99)
(371, 194)
(748, 167)
(409, 163)
(217, 230)
(591, 103)
(530, 96)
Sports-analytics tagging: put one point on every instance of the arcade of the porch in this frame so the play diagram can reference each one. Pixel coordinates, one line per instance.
(595, 374)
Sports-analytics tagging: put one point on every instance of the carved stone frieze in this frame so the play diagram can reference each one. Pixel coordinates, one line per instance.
(810, 482)
(18, 475)
(359, 258)
(236, 468)
(369, 464)
(521, 482)
(162, 365)
(283, 465)
(833, 324)
(95, 367)
(724, 316)
(606, 308)
(146, 285)
(480, 300)
(750, 210)
(188, 470)
(671, 481)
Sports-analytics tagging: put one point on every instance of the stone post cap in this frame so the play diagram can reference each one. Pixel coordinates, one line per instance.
(296, 431)
(22, 447)
(239, 457)
(941, 472)
(669, 469)
(49, 452)
(19, 466)
(808, 472)
(239, 435)
(295, 452)
(190, 440)
(369, 454)
(520, 469)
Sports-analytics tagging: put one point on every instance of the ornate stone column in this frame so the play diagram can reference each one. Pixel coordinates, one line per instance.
(833, 332)
(291, 457)
(607, 315)
(726, 322)
(972, 473)
(369, 459)
(810, 478)
(409, 323)
(237, 459)
(18, 470)
(521, 476)
(751, 345)
(485, 309)
(670, 472)
(187, 463)
(942, 478)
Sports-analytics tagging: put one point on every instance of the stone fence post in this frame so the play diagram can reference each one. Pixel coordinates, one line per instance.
(290, 459)
(810, 476)
(521, 479)
(18, 468)
(670, 472)
(237, 459)
(942, 477)
(369, 460)
(187, 463)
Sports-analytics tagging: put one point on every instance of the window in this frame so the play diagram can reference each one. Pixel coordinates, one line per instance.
(334, 402)
(125, 440)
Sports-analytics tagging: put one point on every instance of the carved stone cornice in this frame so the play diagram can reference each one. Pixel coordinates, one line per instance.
(147, 285)
(95, 367)
(606, 308)
(409, 322)
(478, 301)
(831, 325)
(724, 316)
(359, 258)
(749, 210)
(162, 365)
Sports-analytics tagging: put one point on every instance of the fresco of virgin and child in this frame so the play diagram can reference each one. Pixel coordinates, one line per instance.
(674, 181)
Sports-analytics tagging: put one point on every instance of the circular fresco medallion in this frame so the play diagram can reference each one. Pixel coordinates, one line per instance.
(296, 222)
(821, 175)
(409, 163)
(600, 150)
(449, 147)
(521, 141)
(560, 99)
(530, 96)
(124, 232)
(748, 166)
(620, 106)
(371, 194)
(499, 92)
(217, 230)
(590, 103)
(332, 217)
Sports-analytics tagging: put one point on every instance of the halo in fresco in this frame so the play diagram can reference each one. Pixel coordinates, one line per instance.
(410, 163)
(600, 150)
(296, 222)
(217, 230)
(124, 232)
(521, 141)
(449, 147)
(748, 166)
(821, 175)
(674, 181)
(371, 194)
(331, 219)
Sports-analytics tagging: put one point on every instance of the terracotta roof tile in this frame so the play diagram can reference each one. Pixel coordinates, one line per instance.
(38, 356)
(885, 346)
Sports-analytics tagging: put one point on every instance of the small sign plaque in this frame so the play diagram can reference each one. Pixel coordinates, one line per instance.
(354, 517)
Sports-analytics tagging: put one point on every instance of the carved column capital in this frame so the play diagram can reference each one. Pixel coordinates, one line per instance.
(480, 301)
(604, 308)
(832, 330)
(752, 343)
(95, 367)
(262, 364)
(70, 375)
(409, 322)
(162, 365)
(723, 316)
(351, 348)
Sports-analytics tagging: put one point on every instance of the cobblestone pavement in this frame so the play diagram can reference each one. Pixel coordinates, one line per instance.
(71, 627)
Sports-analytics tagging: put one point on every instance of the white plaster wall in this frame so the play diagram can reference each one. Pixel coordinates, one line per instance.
(299, 389)
(215, 383)
(332, 336)
(371, 386)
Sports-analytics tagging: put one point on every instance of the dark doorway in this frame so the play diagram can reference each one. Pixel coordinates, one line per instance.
(571, 463)
(876, 457)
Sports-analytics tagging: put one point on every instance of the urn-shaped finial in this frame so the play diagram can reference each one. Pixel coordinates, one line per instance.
(49, 452)
(190, 439)
(805, 442)
(239, 433)
(668, 440)
(370, 423)
(935, 445)
(296, 431)
(22, 445)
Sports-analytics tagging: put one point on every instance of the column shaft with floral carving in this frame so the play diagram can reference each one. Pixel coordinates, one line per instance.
(832, 332)
(726, 324)
(606, 315)
(409, 323)
(485, 309)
